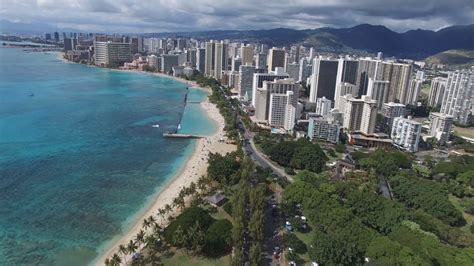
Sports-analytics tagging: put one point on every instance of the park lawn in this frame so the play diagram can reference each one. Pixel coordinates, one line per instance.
(469, 218)
(464, 132)
(306, 238)
(180, 257)
(333, 159)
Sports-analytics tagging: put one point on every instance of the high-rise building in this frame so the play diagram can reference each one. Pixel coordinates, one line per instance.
(245, 81)
(210, 53)
(438, 86)
(359, 114)
(399, 81)
(276, 58)
(168, 61)
(378, 90)
(220, 60)
(277, 86)
(47, 36)
(369, 115)
(323, 80)
(236, 63)
(181, 44)
(323, 128)
(398, 74)
(200, 59)
(259, 78)
(414, 89)
(458, 95)
(153, 61)
(323, 106)
(261, 61)
(246, 52)
(390, 111)
(136, 44)
(406, 133)
(70, 44)
(343, 88)
(440, 127)
(111, 53)
(282, 110)
(347, 71)
(311, 53)
(293, 70)
(56, 36)
(305, 69)
(346, 79)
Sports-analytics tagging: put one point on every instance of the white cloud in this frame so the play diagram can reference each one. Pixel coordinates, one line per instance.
(182, 15)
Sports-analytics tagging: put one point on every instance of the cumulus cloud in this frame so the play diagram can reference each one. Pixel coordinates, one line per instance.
(190, 15)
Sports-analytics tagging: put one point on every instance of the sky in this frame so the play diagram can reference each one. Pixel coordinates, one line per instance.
(140, 16)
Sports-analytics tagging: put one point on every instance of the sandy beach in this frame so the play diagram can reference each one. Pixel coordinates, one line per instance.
(194, 168)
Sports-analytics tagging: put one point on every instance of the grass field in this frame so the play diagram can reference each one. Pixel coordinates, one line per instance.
(181, 258)
(469, 218)
(465, 132)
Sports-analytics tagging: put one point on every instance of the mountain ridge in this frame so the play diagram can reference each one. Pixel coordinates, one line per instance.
(359, 39)
(415, 44)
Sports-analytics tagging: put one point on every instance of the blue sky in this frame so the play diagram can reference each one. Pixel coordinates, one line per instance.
(191, 15)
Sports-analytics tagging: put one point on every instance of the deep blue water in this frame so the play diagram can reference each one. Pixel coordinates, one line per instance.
(80, 157)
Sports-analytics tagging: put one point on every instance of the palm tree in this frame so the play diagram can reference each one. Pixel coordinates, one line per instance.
(107, 262)
(179, 202)
(124, 251)
(151, 242)
(162, 212)
(146, 223)
(192, 188)
(116, 260)
(131, 247)
(157, 230)
(168, 208)
(140, 236)
(201, 183)
(151, 220)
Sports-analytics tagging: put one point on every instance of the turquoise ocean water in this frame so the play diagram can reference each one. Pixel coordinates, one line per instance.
(79, 158)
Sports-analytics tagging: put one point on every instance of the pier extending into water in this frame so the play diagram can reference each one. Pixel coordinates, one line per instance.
(182, 136)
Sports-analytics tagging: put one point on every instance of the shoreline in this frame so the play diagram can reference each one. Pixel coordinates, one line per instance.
(194, 167)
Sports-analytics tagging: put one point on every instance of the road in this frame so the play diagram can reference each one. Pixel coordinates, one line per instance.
(272, 221)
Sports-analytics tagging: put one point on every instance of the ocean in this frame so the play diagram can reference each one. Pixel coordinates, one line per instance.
(79, 157)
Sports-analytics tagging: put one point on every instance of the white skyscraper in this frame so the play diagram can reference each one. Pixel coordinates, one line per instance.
(282, 110)
(458, 95)
(406, 133)
(111, 53)
(220, 59)
(438, 86)
(359, 114)
(278, 86)
(323, 128)
(343, 88)
(441, 126)
(391, 110)
(323, 106)
(245, 81)
(257, 83)
(414, 88)
(305, 69)
(378, 90)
